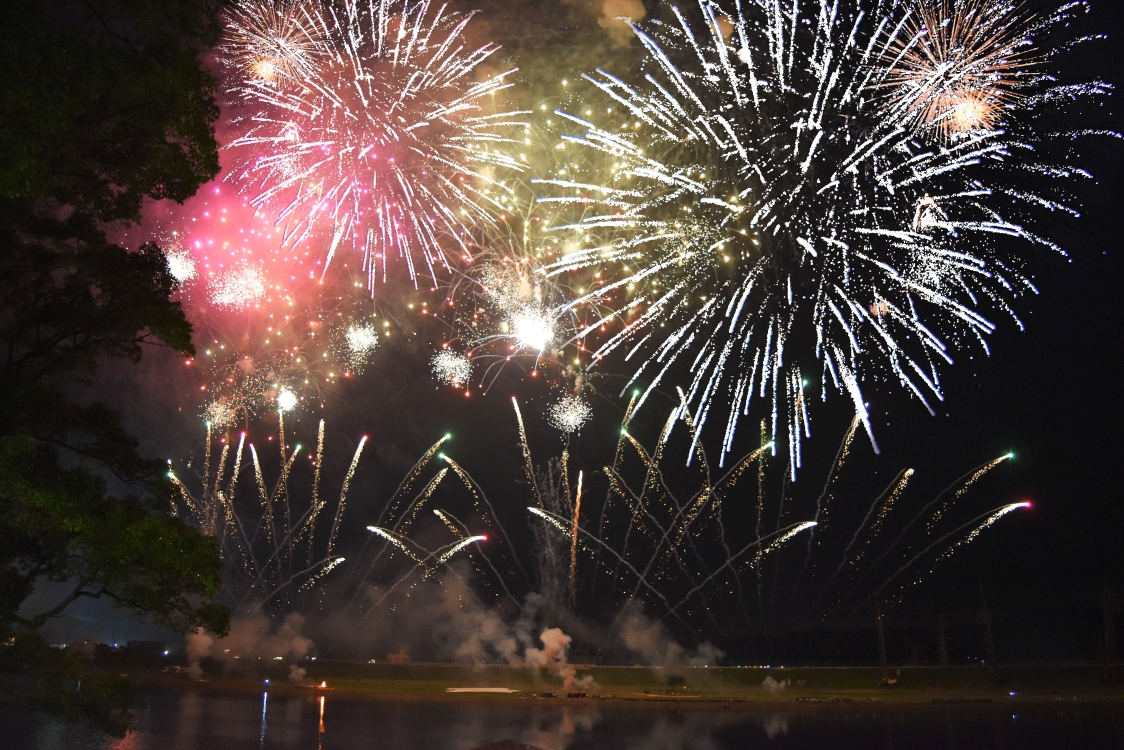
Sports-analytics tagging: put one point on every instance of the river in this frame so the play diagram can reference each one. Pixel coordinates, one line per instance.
(194, 719)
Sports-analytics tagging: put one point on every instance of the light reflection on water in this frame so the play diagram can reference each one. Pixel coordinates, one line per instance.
(195, 719)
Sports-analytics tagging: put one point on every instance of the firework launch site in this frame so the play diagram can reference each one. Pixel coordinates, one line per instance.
(704, 685)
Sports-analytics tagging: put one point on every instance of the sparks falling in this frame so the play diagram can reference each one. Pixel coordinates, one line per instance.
(782, 217)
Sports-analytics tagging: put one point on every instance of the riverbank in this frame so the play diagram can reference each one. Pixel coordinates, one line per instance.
(722, 686)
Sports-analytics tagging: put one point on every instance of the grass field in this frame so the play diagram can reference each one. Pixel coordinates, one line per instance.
(915, 685)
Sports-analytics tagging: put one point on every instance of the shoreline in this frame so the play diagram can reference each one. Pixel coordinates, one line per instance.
(718, 688)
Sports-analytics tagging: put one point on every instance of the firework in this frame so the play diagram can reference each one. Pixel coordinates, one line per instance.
(777, 221)
(956, 66)
(180, 263)
(286, 400)
(381, 135)
(238, 287)
(270, 41)
(357, 343)
(276, 550)
(569, 414)
(219, 415)
(452, 368)
(681, 556)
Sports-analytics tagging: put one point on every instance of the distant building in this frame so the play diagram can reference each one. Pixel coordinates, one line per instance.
(400, 658)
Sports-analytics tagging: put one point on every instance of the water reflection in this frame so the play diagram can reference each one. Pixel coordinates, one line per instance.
(196, 719)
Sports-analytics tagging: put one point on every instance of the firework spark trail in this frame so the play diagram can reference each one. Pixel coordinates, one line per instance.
(453, 549)
(988, 519)
(824, 499)
(266, 506)
(560, 524)
(528, 467)
(283, 555)
(574, 538)
(986, 523)
(379, 138)
(403, 487)
(760, 520)
(610, 473)
(964, 488)
(214, 513)
(781, 537)
(459, 528)
(770, 210)
(317, 504)
(343, 492)
(890, 494)
(478, 493)
(398, 541)
(437, 557)
(328, 568)
(411, 513)
(411, 477)
(448, 521)
(664, 546)
(962, 483)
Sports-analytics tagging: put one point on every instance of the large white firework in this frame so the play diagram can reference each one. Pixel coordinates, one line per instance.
(452, 368)
(356, 344)
(781, 209)
(372, 128)
(569, 414)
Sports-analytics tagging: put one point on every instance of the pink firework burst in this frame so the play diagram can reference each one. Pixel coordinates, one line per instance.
(383, 134)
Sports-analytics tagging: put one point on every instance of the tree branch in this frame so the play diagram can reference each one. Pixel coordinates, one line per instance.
(36, 622)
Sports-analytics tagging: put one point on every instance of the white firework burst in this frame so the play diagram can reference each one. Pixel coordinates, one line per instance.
(238, 287)
(452, 368)
(776, 221)
(181, 264)
(360, 340)
(287, 400)
(569, 414)
(381, 136)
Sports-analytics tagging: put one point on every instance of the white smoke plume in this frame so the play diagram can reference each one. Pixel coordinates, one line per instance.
(251, 635)
(773, 685)
(612, 11)
(555, 657)
(649, 639)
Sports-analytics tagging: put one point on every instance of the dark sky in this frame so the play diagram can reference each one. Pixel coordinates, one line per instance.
(1051, 394)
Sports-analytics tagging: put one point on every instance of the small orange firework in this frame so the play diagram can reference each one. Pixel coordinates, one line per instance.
(956, 65)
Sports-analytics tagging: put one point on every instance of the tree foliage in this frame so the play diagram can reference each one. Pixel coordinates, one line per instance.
(103, 104)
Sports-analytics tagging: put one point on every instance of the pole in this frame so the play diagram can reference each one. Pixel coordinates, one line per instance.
(882, 646)
(989, 638)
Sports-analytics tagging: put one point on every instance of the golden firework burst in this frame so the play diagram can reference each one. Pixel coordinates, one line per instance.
(957, 66)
